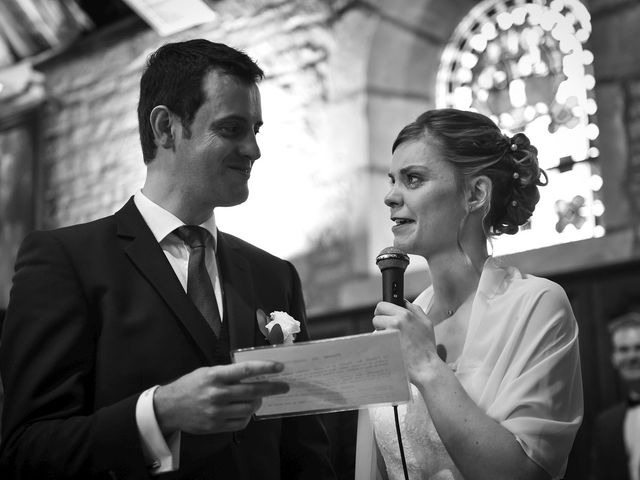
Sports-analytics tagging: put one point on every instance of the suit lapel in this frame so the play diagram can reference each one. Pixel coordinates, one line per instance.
(239, 297)
(144, 251)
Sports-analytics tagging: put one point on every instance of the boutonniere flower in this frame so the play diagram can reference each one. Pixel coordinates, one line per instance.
(278, 327)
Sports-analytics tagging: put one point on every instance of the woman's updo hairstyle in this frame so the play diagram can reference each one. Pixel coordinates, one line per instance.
(476, 146)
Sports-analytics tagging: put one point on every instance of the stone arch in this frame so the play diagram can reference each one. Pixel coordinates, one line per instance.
(402, 68)
(405, 59)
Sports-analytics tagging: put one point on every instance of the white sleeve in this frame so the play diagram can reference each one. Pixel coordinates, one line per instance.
(162, 455)
(540, 396)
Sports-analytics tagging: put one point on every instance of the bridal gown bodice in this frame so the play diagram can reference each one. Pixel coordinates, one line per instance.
(426, 456)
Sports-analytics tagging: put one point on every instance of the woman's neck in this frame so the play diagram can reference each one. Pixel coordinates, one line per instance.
(454, 279)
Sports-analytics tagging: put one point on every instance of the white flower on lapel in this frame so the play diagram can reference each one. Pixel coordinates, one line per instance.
(288, 325)
(278, 327)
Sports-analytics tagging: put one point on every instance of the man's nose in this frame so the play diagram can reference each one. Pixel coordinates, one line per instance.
(249, 147)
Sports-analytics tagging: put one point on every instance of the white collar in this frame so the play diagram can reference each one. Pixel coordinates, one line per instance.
(162, 222)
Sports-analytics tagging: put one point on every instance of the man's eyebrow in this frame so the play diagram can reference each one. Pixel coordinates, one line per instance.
(239, 118)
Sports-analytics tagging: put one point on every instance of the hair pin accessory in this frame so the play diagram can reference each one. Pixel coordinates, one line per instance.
(514, 147)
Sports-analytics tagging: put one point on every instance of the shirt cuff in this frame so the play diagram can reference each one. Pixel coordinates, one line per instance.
(161, 455)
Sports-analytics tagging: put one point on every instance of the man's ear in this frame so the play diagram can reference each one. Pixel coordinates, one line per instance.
(479, 196)
(162, 124)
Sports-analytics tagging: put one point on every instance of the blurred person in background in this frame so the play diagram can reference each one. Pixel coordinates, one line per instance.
(492, 353)
(616, 433)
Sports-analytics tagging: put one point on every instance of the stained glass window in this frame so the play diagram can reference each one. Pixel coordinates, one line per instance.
(525, 64)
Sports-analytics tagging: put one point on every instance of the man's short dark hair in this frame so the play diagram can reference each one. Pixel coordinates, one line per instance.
(174, 78)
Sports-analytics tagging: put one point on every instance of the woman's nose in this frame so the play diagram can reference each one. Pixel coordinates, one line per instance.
(393, 197)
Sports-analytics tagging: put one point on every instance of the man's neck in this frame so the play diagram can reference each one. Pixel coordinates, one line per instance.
(175, 204)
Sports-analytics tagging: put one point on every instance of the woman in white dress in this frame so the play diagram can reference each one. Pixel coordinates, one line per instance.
(505, 401)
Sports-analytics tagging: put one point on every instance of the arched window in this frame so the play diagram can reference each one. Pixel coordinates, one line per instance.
(525, 64)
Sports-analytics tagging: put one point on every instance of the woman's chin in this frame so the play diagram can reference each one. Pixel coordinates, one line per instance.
(403, 244)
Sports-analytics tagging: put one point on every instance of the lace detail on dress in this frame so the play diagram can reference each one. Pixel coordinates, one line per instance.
(426, 456)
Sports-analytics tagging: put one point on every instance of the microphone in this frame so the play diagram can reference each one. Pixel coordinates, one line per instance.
(392, 263)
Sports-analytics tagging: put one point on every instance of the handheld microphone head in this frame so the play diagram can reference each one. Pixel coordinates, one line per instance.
(392, 257)
(392, 263)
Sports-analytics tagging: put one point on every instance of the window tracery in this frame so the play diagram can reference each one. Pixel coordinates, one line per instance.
(525, 64)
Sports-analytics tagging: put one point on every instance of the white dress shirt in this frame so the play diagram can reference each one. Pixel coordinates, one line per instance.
(163, 454)
(632, 440)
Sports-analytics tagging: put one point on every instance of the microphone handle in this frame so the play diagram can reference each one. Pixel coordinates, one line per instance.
(393, 286)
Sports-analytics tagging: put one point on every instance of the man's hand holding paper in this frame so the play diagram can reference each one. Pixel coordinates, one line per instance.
(343, 373)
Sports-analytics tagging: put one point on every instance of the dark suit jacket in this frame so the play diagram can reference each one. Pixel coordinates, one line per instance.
(96, 316)
(609, 460)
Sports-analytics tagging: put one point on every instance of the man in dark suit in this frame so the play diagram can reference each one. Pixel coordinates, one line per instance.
(115, 352)
(616, 433)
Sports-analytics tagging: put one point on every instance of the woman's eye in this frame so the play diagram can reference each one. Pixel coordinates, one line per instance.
(413, 180)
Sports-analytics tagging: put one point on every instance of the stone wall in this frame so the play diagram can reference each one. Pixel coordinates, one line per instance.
(617, 69)
(306, 188)
(92, 159)
(632, 114)
(342, 77)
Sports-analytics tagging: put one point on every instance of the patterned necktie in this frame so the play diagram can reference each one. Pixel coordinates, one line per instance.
(199, 287)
